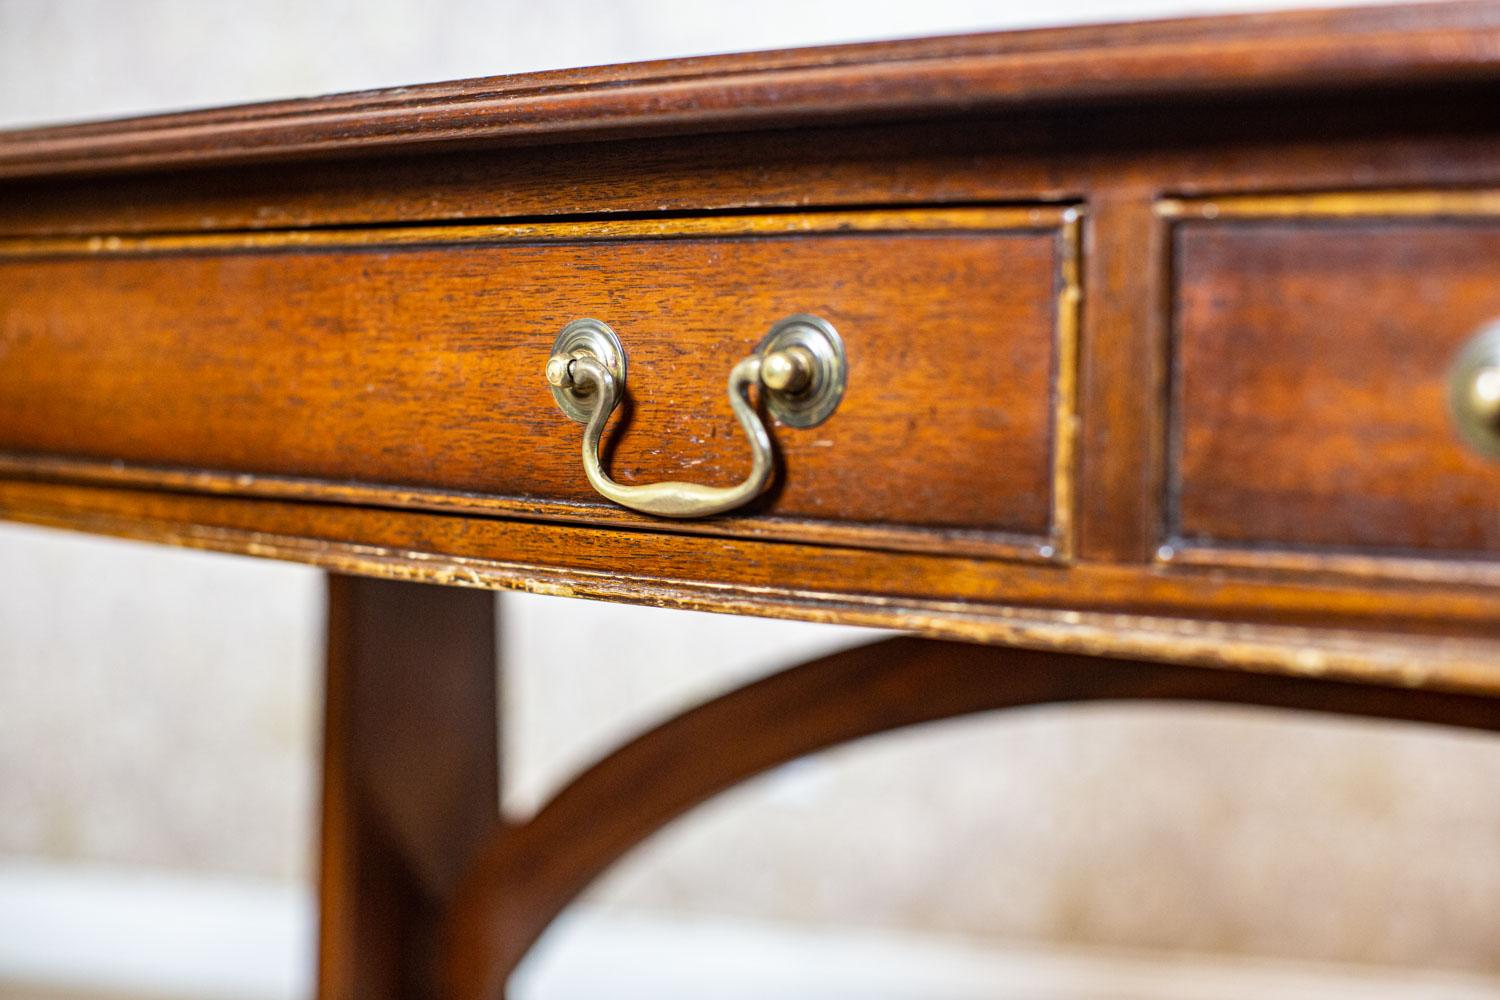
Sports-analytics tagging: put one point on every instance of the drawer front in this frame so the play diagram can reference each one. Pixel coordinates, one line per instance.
(1313, 343)
(411, 362)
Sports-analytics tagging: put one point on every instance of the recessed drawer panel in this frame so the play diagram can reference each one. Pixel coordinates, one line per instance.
(411, 362)
(1313, 346)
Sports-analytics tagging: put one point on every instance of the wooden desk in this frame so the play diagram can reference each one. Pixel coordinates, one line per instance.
(1163, 375)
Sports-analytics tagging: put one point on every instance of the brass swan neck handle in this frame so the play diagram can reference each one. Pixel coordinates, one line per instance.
(799, 367)
(675, 499)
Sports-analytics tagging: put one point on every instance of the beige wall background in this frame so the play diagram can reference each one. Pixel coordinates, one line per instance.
(159, 709)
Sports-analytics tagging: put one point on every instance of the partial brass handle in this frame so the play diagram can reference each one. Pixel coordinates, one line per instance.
(799, 366)
(1474, 391)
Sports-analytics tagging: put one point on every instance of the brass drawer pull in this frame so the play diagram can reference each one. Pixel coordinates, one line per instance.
(799, 366)
(1474, 391)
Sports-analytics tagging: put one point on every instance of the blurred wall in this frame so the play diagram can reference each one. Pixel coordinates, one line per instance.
(159, 708)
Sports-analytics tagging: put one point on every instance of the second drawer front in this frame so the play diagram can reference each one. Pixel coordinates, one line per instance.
(415, 359)
(1312, 362)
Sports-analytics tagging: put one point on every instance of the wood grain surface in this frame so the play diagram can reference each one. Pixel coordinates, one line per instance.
(318, 334)
(1268, 142)
(410, 778)
(414, 359)
(1433, 632)
(1147, 328)
(525, 875)
(1167, 60)
(1311, 378)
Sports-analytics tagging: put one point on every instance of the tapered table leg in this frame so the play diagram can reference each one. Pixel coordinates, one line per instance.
(410, 776)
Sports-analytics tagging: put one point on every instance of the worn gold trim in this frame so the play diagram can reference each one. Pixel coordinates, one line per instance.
(1335, 205)
(1065, 401)
(1013, 218)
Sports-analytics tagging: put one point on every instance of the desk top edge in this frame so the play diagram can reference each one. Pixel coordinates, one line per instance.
(1202, 57)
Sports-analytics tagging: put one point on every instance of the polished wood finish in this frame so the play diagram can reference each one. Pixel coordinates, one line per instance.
(1147, 329)
(412, 359)
(525, 875)
(1164, 60)
(1311, 364)
(1091, 560)
(410, 777)
(1120, 382)
(1418, 633)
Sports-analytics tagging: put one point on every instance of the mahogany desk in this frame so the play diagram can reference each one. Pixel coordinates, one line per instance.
(1112, 362)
